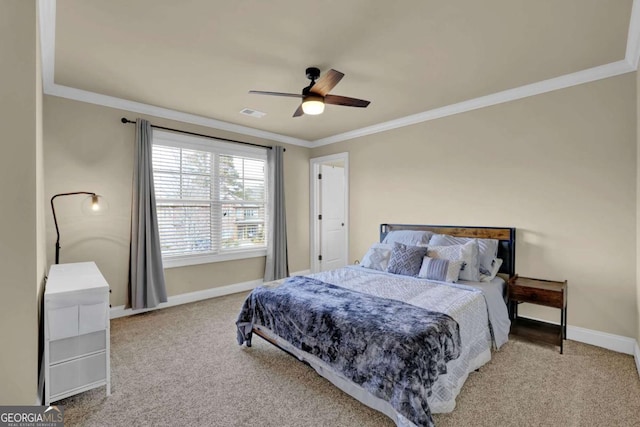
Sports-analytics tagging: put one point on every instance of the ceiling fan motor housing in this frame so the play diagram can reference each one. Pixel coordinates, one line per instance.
(313, 73)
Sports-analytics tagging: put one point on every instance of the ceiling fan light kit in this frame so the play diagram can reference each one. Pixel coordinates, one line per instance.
(313, 105)
(316, 95)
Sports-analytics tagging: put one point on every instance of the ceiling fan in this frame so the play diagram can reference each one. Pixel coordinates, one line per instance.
(316, 95)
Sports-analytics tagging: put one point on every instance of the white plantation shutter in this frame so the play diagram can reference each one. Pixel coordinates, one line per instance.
(210, 197)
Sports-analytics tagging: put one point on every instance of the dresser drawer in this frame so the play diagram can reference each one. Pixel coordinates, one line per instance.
(77, 373)
(73, 347)
(92, 317)
(546, 297)
(62, 322)
(65, 322)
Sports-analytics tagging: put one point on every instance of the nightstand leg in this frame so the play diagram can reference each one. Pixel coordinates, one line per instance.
(563, 328)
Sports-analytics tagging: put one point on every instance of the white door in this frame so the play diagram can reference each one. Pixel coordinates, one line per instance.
(332, 223)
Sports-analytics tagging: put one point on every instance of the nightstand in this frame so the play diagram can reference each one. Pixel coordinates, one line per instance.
(542, 292)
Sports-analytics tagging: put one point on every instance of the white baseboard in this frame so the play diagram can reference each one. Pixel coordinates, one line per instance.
(599, 339)
(120, 311)
(636, 356)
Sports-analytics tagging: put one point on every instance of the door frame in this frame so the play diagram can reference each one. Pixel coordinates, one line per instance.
(314, 210)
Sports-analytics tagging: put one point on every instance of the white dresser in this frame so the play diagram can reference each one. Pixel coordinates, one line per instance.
(76, 331)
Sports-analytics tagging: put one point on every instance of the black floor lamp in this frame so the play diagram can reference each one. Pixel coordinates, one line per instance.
(94, 206)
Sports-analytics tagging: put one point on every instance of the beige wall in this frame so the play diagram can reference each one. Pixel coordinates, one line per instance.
(561, 167)
(21, 209)
(86, 148)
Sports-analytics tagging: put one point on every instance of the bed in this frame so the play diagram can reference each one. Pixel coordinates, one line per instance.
(399, 344)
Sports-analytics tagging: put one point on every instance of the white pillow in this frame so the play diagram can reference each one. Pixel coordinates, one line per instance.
(468, 253)
(408, 237)
(377, 257)
(442, 270)
(495, 267)
(487, 248)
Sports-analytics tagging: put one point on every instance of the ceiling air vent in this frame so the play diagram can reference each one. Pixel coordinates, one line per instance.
(252, 113)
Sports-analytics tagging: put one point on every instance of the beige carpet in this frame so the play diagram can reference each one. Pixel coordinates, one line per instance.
(182, 366)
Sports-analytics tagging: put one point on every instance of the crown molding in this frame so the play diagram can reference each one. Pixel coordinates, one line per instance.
(47, 14)
(165, 113)
(568, 80)
(633, 36)
(47, 21)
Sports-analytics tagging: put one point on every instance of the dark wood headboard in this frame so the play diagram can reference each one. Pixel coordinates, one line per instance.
(505, 235)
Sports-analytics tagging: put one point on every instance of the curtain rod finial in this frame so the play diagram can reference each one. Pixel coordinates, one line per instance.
(124, 120)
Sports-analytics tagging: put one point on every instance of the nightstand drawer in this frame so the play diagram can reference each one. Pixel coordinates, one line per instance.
(537, 296)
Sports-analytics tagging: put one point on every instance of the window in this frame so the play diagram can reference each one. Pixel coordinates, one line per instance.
(211, 199)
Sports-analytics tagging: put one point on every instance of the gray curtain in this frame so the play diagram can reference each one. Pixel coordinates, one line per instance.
(146, 275)
(277, 265)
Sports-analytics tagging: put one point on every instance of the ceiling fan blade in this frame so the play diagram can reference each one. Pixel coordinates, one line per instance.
(326, 82)
(298, 112)
(290, 95)
(346, 101)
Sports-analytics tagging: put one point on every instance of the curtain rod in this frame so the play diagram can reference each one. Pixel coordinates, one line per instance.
(125, 121)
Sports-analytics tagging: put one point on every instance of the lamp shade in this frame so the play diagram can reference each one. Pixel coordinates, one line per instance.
(313, 105)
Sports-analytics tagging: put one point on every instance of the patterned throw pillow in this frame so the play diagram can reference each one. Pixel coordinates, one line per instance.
(377, 257)
(442, 270)
(468, 253)
(406, 260)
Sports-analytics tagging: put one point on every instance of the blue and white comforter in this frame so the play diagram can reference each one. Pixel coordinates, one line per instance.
(394, 350)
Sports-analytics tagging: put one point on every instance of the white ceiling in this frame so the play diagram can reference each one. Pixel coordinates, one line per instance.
(413, 59)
